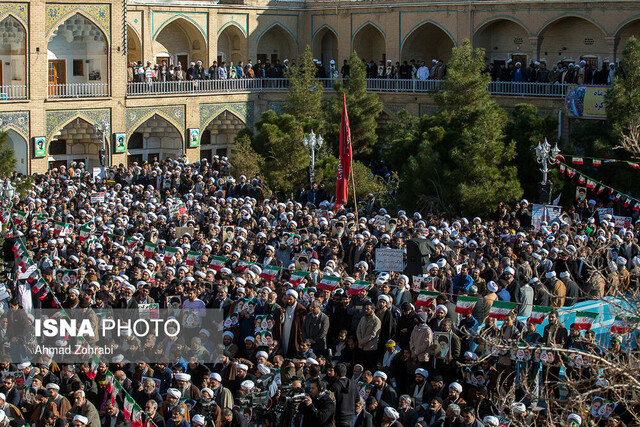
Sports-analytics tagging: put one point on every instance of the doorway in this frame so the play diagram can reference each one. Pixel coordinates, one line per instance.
(183, 60)
(57, 76)
(522, 59)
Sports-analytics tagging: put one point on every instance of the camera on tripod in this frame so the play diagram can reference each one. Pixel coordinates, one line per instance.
(255, 399)
(290, 396)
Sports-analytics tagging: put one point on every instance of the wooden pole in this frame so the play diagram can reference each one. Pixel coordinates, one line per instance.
(355, 201)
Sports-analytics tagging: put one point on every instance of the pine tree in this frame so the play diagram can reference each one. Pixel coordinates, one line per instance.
(8, 165)
(363, 107)
(462, 163)
(244, 159)
(622, 100)
(305, 94)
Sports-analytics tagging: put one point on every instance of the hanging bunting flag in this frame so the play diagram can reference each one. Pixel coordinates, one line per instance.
(601, 188)
(584, 320)
(329, 283)
(270, 272)
(425, 298)
(597, 162)
(591, 184)
(627, 202)
(562, 168)
(358, 286)
(617, 197)
(636, 207)
(581, 179)
(149, 249)
(539, 313)
(609, 161)
(169, 253)
(500, 309)
(577, 161)
(192, 256)
(634, 165)
(465, 305)
(571, 172)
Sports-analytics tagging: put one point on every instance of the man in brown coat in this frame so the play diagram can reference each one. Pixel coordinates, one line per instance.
(44, 404)
(291, 325)
(62, 403)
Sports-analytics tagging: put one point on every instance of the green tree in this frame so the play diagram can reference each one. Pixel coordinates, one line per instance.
(286, 160)
(363, 108)
(305, 94)
(462, 162)
(527, 128)
(244, 159)
(622, 100)
(8, 165)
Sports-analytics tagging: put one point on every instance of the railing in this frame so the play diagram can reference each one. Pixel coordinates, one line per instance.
(78, 90)
(13, 92)
(373, 85)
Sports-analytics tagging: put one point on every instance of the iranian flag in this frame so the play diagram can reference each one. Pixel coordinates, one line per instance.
(329, 283)
(582, 179)
(110, 386)
(217, 262)
(591, 184)
(270, 272)
(17, 247)
(617, 197)
(539, 313)
(137, 418)
(465, 305)
(357, 287)
(627, 202)
(297, 276)
(601, 188)
(634, 165)
(242, 265)
(149, 249)
(58, 228)
(85, 232)
(129, 403)
(577, 160)
(571, 172)
(131, 241)
(38, 286)
(500, 309)
(93, 372)
(562, 168)
(20, 217)
(584, 320)
(192, 256)
(425, 297)
(597, 162)
(169, 253)
(636, 207)
(33, 276)
(622, 325)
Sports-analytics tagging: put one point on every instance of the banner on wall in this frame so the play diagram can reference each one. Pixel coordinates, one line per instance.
(586, 102)
(121, 142)
(194, 138)
(39, 146)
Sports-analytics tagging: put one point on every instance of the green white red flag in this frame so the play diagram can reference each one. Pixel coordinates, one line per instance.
(169, 254)
(269, 272)
(217, 262)
(85, 232)
(149, 249)
(357, 287)
(539, 313)
(297, 276)
(329, 283)
(192, 256)
(131, 241)
(622, 325)
(500, 309)
(129, 403)
(465, 305)
(584, 320)
(20, 217)
(425, 298)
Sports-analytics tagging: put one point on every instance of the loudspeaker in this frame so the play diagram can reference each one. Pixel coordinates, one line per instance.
(418, 253)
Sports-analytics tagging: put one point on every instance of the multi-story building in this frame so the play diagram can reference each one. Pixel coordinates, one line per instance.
(63, 65)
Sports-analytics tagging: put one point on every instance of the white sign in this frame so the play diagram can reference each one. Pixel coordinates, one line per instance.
(97, 197)
(98, 172)
(388, 259)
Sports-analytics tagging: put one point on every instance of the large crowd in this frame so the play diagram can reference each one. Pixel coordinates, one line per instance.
(501, 71)
(308, 319)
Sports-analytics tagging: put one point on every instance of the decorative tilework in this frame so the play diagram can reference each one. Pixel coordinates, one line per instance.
(175, 114)
(243, 110)
(100, 14)
(16, 120)
(57, 119)
(277, 107)
(19, 10)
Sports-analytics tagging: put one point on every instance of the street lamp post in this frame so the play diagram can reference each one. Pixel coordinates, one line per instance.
(545, 156)
(313, 143)
(102, 128)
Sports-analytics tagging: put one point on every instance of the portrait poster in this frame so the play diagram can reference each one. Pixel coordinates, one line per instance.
(443, 345)
(121, 142)
(229, 234)
(194, 138)
(40, 146)
(581, 193)
(156, 382)
(547, 213)
(337, 228)
(601, 407)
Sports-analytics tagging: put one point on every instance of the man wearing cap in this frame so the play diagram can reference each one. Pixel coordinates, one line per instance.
(44, 404)
(290, 335)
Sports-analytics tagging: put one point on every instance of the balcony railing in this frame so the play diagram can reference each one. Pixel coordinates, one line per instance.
(79, 90)
(373, 85)
(13, 92)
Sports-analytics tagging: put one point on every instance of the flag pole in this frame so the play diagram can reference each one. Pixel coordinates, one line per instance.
(355, 201)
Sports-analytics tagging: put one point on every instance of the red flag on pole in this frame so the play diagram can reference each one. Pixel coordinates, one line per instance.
(344, 163)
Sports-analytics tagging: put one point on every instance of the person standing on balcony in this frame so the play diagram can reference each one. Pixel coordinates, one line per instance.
(222, 71)
(232, 71)
(163, 70)
(240, 72)
(612, 73)
(148, 73)
(543, 73)
(405, 70)
(139, 73)
(199, 71)
(179, 75)
(130, 71)
(346, 69)
(441, 70)
(423, 71)
(191, 71)
(519, 75)
(248, 71)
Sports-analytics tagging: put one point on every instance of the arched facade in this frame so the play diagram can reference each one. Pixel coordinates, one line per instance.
(504, 39)
(276, 43)
(427, 42)
(370, 44)
(325, 46)
(20, 149)
(134, 46)
(77, 52)
(219, 135)
(631, 28)
(77, 141)
(13, 52)
(180, 41)
(232, 45)
(155, 138)
(571, 38)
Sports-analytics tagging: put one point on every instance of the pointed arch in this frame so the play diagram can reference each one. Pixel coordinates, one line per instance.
(626, 29)
(277, 42)
(503, 36)
(549, 22)
(369, 22)
(18, 142)
(322, 27)
(13, 50)
(426, 41)
(182, 39)
(498, 18)
(567, 37)
(134, 45)
(370, 42)
(83, 15)
(150, 114)
(232, 43)
(219, 134)
(155, 136)
(232, 24)
(224, 110)
(325, 44)
(179, 17)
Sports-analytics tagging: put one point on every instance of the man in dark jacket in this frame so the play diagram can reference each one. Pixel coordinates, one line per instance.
(318, 409)
(346, 393)
(435, 414)
(363, 418)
